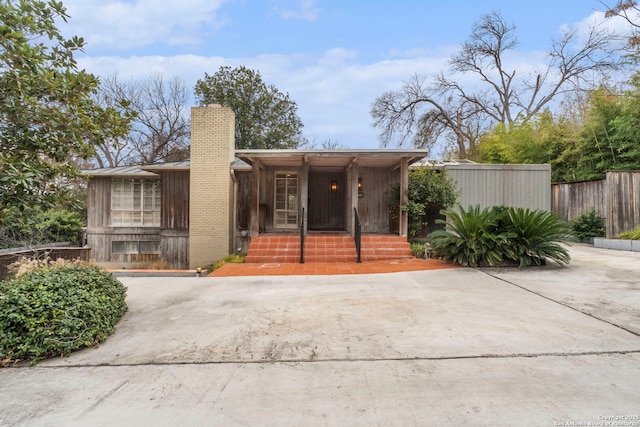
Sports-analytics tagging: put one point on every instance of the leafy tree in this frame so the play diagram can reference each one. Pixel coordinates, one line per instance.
(47, 116)
(428, 192)
(610, 138)
(543, 139)
(430, 110)
(265, 117)
(504, 146)
(40, 227)
(160, 126)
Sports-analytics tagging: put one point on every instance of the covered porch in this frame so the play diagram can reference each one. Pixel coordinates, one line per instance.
(322, 192)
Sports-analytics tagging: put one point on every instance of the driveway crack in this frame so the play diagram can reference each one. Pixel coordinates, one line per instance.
(339, 360)
(586, 313)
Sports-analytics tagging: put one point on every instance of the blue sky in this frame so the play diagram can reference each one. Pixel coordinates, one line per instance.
(332, 57)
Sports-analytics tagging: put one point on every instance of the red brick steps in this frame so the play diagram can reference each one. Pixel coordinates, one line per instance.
(329, 248)
(274, 248)
(285, 248)
(383, 247)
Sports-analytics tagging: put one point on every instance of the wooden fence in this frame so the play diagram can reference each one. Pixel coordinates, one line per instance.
(616, 198)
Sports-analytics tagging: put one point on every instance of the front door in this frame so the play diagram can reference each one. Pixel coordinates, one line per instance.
(286, 201)
(326, 201)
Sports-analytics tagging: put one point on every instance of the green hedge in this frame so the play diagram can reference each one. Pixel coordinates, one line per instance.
(52, 311)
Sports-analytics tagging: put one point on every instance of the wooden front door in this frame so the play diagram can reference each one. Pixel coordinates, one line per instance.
(327, 194)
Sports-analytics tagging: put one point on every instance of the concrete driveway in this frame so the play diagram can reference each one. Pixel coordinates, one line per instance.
(545, 346)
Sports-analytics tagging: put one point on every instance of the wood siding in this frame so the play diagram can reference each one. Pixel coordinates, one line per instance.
(174, 211)
(266, 196)
(98, 202)
(244, 186)
(173, 234)
(326, 211)
(174, 249)
(373, 206)
(616, 198)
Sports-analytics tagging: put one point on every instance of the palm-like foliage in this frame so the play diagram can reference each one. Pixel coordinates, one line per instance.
(470, 237)
(487, 237)
(536, 236)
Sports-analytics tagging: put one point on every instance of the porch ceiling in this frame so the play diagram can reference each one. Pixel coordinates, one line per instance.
(331, 159)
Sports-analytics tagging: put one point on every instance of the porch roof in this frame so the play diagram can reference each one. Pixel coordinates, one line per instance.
(379, 158)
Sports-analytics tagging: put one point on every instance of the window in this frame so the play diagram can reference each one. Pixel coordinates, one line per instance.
(135, 202)
(286, 203)
(135, 247)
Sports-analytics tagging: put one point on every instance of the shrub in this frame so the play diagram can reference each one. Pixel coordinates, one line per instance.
(52, 311)
(490, 237)
(38, 227)
(59, 226)
(535, 236)
(630, 235)
(471, 237)
(417, 249)
(24, 265)
(587, 225)
(429, 191)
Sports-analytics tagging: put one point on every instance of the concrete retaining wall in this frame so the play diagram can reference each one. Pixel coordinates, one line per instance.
(617, 244)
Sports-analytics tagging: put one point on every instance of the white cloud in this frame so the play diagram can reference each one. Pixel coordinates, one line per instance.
(121, 24)
(615, 25)
(298, 9)
(333, 91)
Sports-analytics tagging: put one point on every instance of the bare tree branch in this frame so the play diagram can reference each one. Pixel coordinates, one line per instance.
(630, 12)
(447, 107)
(160, 129)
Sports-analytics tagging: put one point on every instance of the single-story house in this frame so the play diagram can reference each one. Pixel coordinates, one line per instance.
(273, 205)
(189, 214)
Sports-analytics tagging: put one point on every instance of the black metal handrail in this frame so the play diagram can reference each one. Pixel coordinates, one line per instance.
(302, 238)
(357, 235)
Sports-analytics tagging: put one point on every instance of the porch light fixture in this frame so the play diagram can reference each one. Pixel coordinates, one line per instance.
(334, 186)
(360, 192)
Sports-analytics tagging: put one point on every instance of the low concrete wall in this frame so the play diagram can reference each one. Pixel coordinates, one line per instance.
(617, 244)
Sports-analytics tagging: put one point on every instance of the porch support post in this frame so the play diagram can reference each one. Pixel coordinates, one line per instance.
(255, 199)
(304, 192)
(403, 216)
(353, 194)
